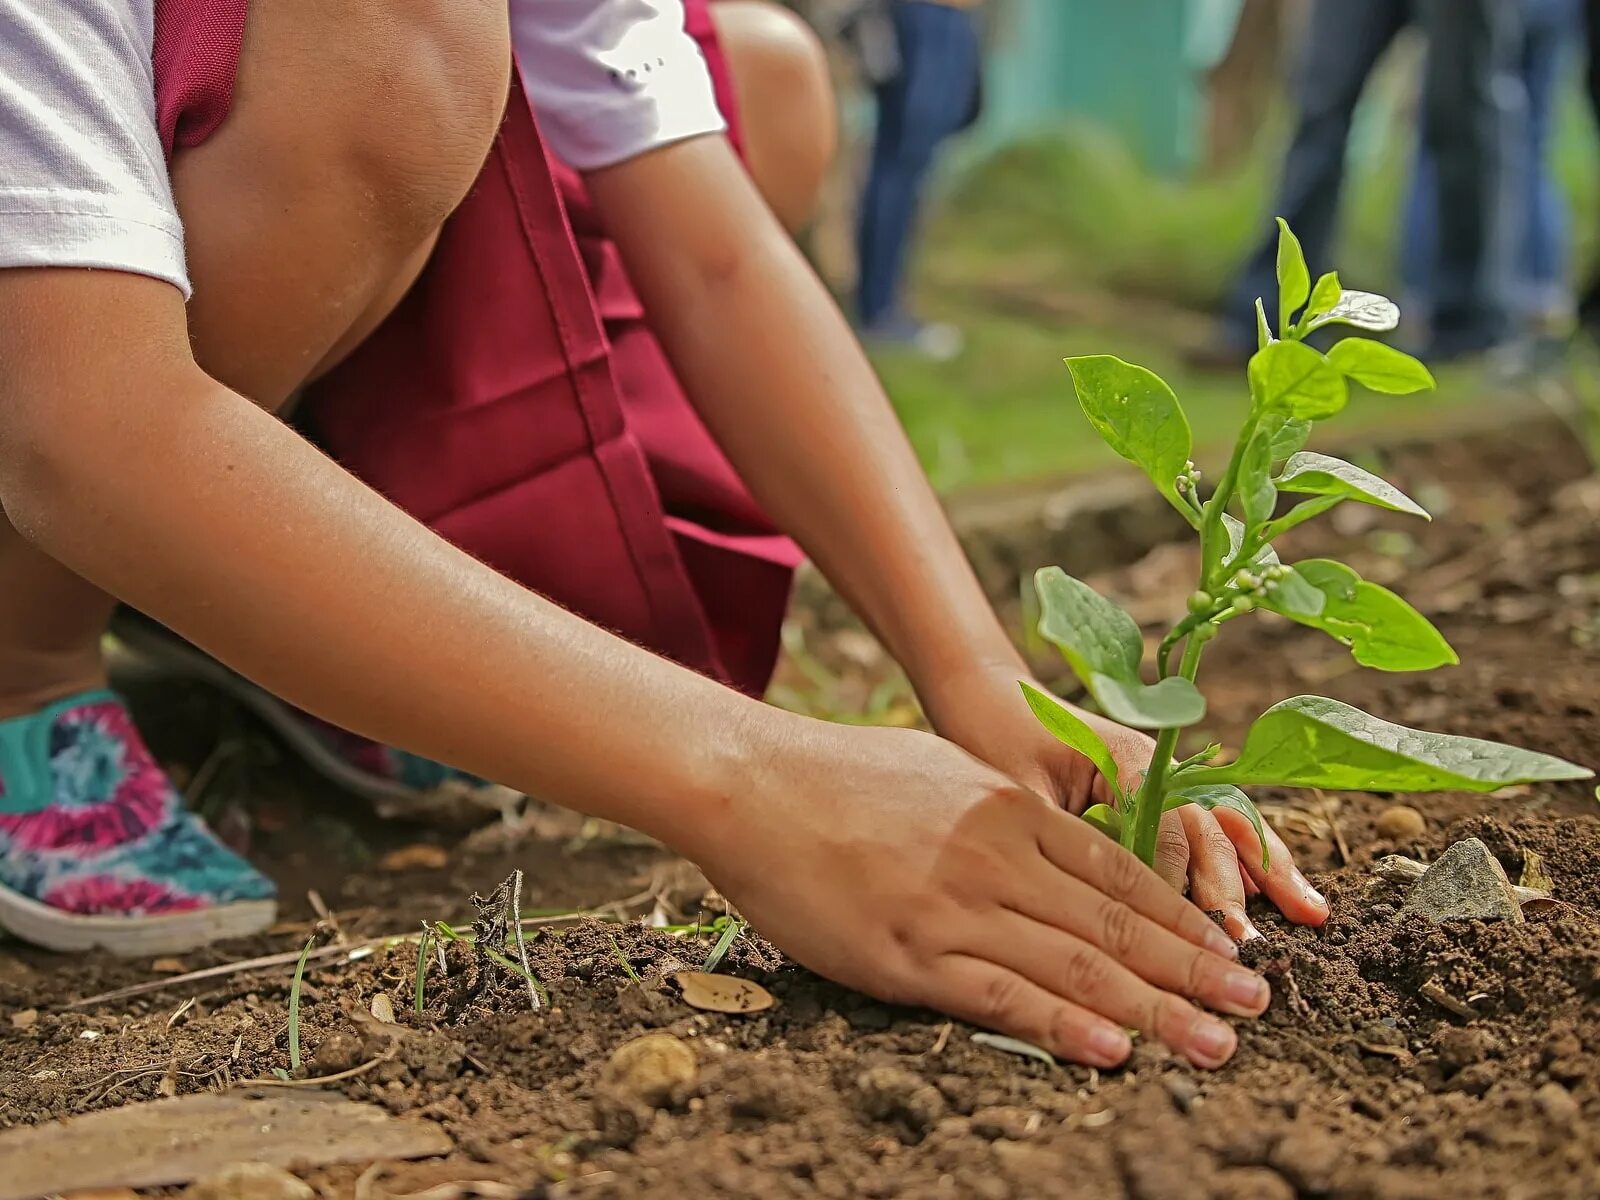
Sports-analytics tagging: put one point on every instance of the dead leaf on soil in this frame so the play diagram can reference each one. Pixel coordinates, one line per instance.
(383, 1008)
(722, 993)
(167, 1142)
(1533, 873)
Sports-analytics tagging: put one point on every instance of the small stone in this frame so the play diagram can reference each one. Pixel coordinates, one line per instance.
(1466, 883)
(26, 1019)
(1401, 823)
(1557, 1105)
(250, 1181)
(655, 1069)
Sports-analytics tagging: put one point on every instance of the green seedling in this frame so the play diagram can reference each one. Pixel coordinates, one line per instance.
(627, 967)
(424, 944)
(719, 951)
(1305, 741)
(294, 1003)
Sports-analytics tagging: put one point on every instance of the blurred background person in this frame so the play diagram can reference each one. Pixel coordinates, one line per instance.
(1535, 252)
(924, 60)
(1463, 119)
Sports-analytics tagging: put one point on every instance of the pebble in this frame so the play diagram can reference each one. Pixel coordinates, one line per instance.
(1401, 823)
(1465, 883)
(250, 1181)
(655, 1069)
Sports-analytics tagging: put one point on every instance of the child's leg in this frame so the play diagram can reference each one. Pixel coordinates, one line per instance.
(786, 103)
(307, 216)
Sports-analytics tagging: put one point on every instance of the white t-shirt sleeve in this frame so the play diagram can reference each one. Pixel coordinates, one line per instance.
(611, 79)
(83, 182)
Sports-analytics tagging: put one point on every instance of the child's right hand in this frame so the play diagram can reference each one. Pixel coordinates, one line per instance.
(896, 863)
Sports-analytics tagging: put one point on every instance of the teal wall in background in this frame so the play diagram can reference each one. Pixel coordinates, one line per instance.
(1124, 64)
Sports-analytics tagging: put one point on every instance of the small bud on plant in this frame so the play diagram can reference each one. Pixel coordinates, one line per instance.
(1247, 580)
(1244, 604)
(1200, 603)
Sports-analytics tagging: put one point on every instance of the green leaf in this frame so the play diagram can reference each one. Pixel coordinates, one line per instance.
(1293, 379)
(1287, 434)
(1106, 819)
(1299, 515)
(1138, 416)
(1294, 280)
(1103, 646)
(1222, 795)
(1324, 296)
(1364, 310)
(1264, 336)
(1067, 727)
(1313, 474)
(1381, 629)
(1311, 741)
(1295, 596)
(1257, 493)
(1379, 367)
(1170, 704)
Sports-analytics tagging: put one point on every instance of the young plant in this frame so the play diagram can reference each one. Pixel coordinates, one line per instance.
(1305, 741)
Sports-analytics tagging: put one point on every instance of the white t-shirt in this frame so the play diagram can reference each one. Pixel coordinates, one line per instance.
(83, 182)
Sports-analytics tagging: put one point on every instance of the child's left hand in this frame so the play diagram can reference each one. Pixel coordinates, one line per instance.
(1214, 856)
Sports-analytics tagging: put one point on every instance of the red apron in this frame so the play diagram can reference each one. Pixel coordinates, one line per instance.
(517, 402)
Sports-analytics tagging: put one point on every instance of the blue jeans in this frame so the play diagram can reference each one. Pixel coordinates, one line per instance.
(932, 96)
(1462, 123)
(1535, 254)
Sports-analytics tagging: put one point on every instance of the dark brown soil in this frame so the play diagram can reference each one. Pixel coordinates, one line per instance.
(1366, 1080)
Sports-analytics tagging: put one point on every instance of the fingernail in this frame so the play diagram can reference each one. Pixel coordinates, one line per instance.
(1311, 893)
(1211, 1041)
(1109, 1045)
(1218, 942)
(1245, 991)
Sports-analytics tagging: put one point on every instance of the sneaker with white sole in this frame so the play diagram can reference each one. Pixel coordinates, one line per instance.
(97, 849)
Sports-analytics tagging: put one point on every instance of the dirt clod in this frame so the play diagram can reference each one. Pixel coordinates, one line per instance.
(654, 1069)
(1400, 823)
(896, 1095)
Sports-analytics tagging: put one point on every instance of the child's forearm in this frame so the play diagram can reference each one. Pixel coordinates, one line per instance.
(156, 483)
(781, 381)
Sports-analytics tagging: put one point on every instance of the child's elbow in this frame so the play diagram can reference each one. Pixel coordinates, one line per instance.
(49, 451)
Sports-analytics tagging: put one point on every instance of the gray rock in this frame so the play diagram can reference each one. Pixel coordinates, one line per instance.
(1466, 883)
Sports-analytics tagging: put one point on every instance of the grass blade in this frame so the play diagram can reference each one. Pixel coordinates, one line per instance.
(294, 1004)
(623, 959)
(422, 968)
(730, 931)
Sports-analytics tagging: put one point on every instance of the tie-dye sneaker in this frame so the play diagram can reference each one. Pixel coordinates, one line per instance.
(97, 849)
(396, 783)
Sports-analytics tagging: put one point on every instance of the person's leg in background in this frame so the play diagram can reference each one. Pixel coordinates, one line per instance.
(1589, 306)
(786, 104)
(1344, 40)
(1543, 281)
(931, 98)
(1465, 114)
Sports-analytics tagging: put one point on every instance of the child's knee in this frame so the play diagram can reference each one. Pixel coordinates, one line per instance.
(786, 102)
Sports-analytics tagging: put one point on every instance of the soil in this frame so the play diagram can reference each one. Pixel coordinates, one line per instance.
(1398, 1060)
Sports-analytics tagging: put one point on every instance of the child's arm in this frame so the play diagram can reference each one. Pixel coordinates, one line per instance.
(888, 860)
(785, 388)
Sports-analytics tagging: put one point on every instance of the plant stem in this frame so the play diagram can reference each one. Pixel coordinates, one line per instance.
(1212, 539)
(1146, 824)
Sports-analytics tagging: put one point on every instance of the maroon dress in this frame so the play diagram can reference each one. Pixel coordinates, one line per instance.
(517, 402)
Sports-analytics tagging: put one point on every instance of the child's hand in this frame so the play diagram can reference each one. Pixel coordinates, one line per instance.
(896, 863)
(1213, 856)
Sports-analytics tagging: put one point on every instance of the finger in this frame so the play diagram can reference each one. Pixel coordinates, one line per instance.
(985, 994)
(1249, 885)
(1085, 975)
(1085, 853)
(1214, 879)
(1282, 881)
(1137, 946)
(1172, 853)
